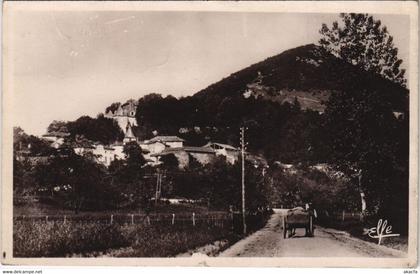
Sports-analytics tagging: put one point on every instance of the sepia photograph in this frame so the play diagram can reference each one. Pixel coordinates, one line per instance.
(205, 132)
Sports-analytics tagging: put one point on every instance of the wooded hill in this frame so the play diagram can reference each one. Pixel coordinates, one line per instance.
(308, 72)
(281, 100)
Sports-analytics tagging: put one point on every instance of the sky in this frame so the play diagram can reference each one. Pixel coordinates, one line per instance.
(72, 63)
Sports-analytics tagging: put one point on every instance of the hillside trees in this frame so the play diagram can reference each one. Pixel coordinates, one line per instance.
(219, 184)
(57, 126)
(370, 144)
(164, 114)
(30, 143)
(73, 181)
(23, 182)
(113, 107)
(98, 129)
(308, 185)
(361, 41)
(128, 177)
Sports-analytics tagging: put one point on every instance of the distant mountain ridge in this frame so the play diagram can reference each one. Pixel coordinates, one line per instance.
(268, 98)
(306, 73)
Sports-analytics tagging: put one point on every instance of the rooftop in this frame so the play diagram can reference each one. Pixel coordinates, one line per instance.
(170, 150)
(165, 139)
(225, 146)
(56, 134)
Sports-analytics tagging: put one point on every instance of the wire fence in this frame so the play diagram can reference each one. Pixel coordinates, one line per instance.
(130, 218)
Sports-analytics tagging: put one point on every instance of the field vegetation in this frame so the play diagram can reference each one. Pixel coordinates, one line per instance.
(158, 236)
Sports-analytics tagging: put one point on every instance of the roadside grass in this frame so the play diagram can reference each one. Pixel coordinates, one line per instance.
(56, 238)
(34, 237)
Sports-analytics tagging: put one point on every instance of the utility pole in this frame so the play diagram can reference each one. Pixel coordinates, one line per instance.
(243, 178)
(158, 182)
(159, 176)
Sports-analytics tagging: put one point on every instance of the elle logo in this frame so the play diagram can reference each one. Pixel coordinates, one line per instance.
(382, 230)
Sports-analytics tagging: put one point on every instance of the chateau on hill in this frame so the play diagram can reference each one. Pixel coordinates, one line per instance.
(125, 115)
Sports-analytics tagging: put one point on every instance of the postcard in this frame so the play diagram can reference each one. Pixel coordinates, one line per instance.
(210, 133)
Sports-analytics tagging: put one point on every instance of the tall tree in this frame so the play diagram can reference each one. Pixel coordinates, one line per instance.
(361, 41)
(99, 129)
(367, 144)
(128, 176)
(32, 144)
(78, 179)
(58, 126)
(134, 154)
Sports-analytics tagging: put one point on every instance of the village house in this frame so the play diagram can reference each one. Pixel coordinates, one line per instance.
(56, 139)
(203, 155)
(151, 148)
(231, 153)
(165, 145)
(84, 148)
(103, 154)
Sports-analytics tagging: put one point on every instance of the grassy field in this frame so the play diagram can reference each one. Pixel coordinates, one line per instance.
(159, 235)
(40, 238)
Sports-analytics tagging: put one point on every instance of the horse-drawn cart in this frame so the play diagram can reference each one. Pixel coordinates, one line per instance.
(298, 218)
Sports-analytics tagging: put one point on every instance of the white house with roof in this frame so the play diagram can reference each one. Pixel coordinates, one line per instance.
(56, 139)
(203, 155)
(157, 144)
(103, 154)
(169, 141)
(165, 145)
(231, 153)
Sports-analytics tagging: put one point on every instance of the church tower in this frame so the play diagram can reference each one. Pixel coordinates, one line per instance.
(129, 135)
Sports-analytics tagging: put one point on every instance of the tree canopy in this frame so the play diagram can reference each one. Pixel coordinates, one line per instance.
(98, 129)
(361, 40)
(32, 144)
(370, 144)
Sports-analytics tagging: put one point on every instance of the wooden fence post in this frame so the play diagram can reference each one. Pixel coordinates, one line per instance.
(173, 218)
(132, 219)
(148, 220)
(64, 221)
(283, 222)
(46, 218)
(343, 215)
(193, 218)
(112, 218)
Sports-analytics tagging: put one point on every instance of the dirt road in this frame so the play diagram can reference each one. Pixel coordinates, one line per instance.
(269, 242)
